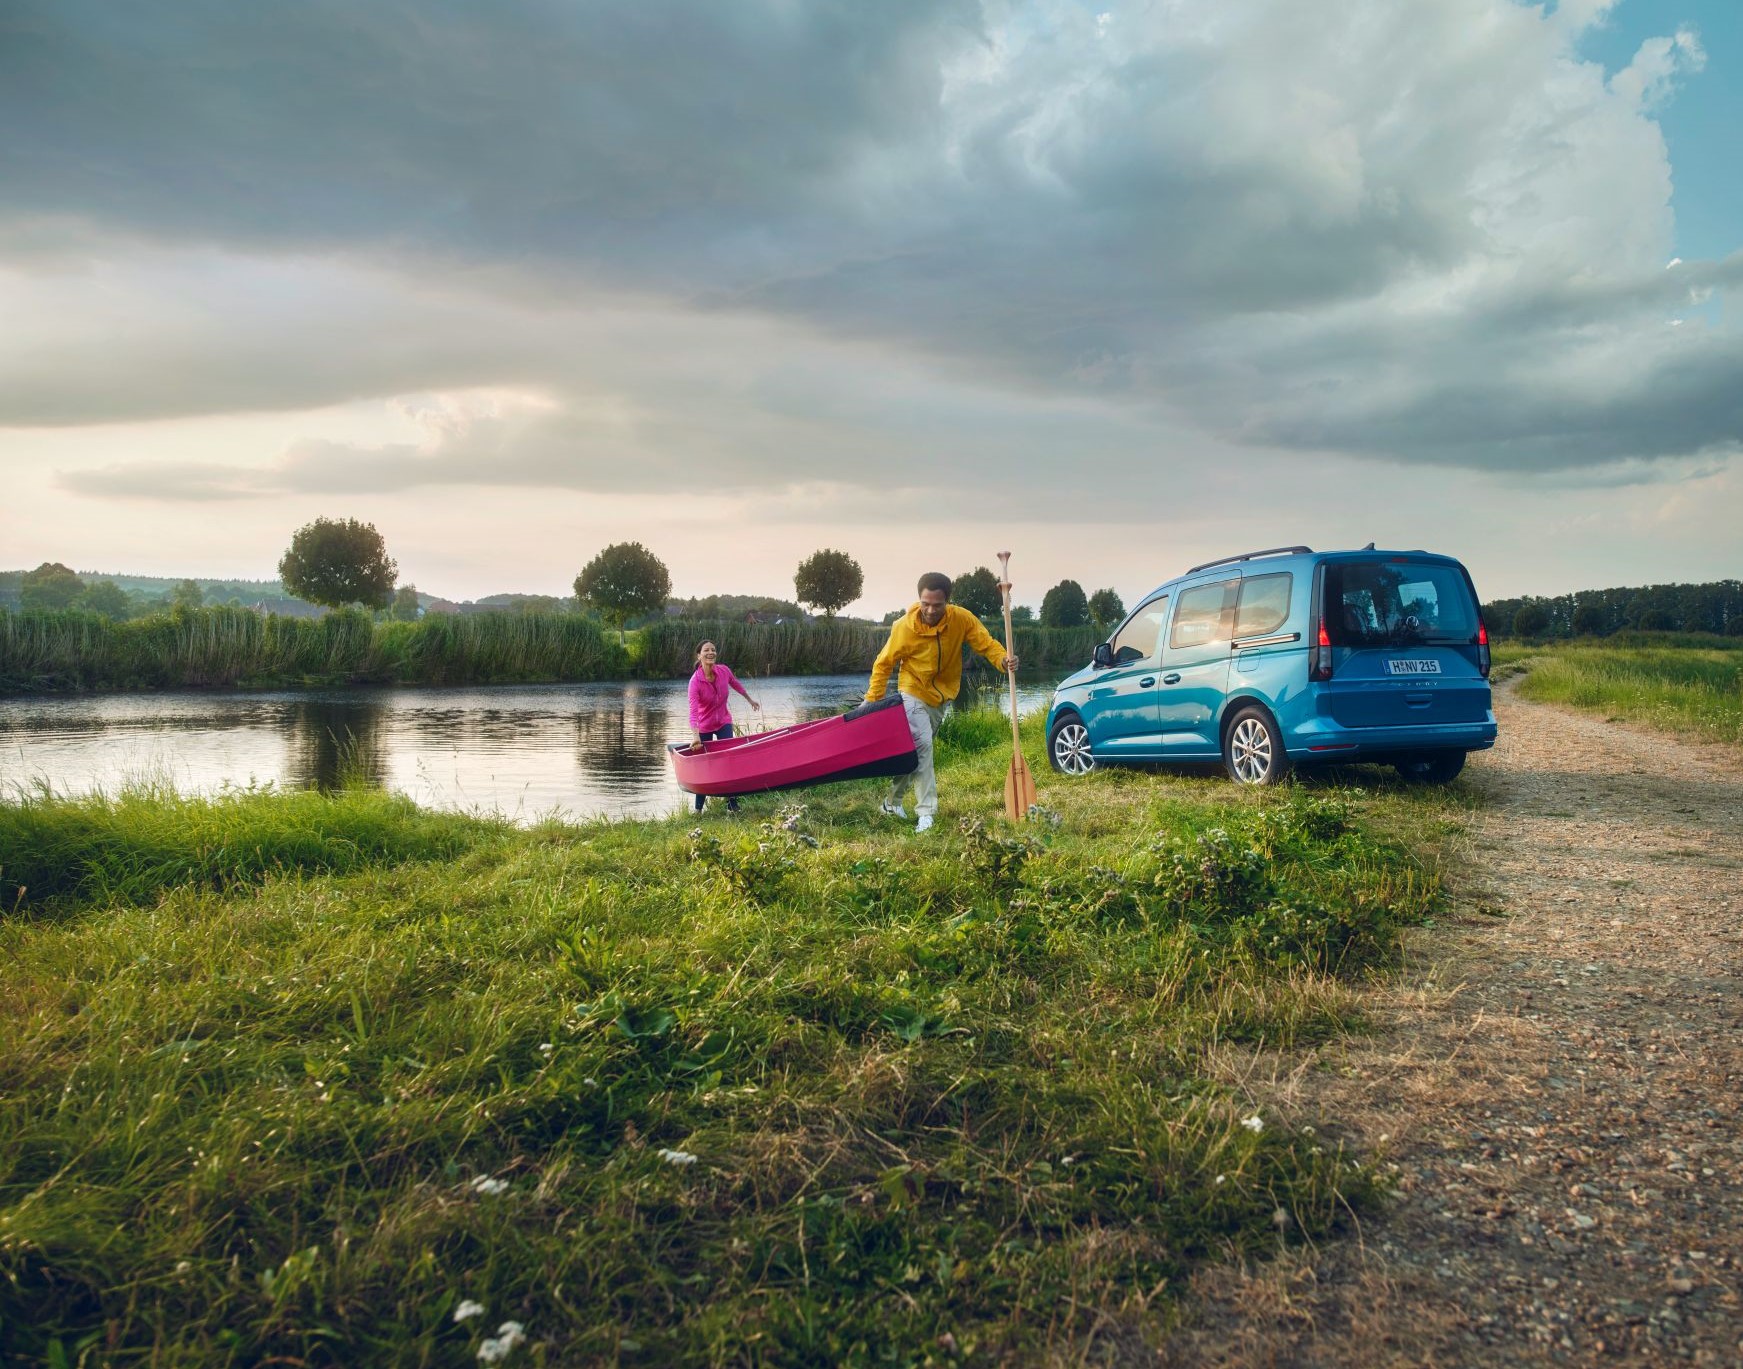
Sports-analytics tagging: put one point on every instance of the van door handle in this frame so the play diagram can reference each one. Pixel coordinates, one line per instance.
(1147, 681)
(1171, 679)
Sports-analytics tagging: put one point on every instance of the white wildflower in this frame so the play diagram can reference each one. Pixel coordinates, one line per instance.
(545, 1048)
(677, 1157)
(468, 1309)
(1254, 1124)
(499, 1346)
(488, 1186)
(1221, 1179)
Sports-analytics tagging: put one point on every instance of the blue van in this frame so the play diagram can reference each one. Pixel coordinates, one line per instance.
(1288, 657)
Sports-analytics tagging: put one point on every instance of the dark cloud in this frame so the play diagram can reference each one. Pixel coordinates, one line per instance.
(1421, 233)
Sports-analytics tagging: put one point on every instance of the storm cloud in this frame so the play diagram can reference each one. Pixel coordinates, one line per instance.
(694, 232)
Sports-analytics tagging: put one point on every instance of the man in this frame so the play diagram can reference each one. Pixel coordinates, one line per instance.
(926, 643)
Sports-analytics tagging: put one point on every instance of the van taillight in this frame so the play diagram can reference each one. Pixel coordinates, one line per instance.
(1482, 648)
(1321, 668)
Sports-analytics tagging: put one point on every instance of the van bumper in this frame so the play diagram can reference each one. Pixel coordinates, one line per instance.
(1321, 739)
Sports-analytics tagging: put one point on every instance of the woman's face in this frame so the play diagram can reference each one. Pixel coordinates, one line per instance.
(705, 654)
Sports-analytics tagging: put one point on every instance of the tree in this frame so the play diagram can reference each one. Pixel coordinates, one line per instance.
(335, 562)
(1531, 620)
(405, 604)
(978, 592)
(1065, 605)
(1106, 609)
(828, 580)
(187, 594)
(624, 580)
(107, 598)
(1022, 613)
(1588, 620)
(50, 585)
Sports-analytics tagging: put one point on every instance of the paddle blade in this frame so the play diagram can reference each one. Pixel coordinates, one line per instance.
(1019, 789)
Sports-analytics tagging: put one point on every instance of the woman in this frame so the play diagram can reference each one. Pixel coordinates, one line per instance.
(710, 717)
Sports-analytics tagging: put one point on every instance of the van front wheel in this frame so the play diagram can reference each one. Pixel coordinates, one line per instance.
(1068, 746)
(1252, 751)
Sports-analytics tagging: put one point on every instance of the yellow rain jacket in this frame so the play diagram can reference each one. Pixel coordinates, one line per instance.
(931, 657)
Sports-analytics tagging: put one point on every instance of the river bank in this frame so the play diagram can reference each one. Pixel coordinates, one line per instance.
(311, 1075)
(70, 651)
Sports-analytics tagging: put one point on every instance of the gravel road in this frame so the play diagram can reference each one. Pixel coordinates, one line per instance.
(1556, 1088)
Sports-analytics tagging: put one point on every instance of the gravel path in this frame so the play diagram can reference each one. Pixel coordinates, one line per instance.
(1557, 1089)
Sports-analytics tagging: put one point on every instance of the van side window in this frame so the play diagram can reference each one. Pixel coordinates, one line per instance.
(1204, 614)
(1142, 633)
(1264, 605)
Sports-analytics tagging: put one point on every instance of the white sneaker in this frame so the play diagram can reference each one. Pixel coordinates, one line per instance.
(894, 810)
(924, 824)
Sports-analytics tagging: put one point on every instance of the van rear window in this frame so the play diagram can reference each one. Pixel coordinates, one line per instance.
(1393, 603)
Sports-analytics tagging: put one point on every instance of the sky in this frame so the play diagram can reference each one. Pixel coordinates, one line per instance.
(1117, 287)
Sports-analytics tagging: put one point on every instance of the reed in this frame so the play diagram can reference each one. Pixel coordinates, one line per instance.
(232, 646)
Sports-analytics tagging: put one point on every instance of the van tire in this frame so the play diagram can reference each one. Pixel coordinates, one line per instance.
(1438, 767)
(1253, 748)
(1068, 746)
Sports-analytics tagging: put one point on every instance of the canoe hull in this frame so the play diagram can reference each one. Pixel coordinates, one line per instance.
(871, 740)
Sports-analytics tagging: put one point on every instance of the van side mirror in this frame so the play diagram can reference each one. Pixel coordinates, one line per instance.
(1104, 656)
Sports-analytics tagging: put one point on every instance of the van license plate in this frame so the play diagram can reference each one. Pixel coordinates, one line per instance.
(1414, 667)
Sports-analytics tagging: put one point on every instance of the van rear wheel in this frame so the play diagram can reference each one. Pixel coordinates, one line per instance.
(1442, 767)
(1252, 750)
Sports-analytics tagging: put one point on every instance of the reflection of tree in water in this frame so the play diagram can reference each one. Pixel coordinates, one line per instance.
(334, 742)
(627, 744)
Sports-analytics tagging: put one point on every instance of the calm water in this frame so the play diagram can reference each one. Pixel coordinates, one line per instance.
(525, 751)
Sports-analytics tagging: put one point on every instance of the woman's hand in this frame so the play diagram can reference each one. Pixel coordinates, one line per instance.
(754, 704)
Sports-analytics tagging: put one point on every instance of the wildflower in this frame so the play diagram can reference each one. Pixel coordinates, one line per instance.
(1254, 1124)
(468, 1309)
(545, 1048)
(591, 1082)
(488, 1186)
(677, 1157)
(499, 1346)
(1221, 1179)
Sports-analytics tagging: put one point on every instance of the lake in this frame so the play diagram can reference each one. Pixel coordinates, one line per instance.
(526, 751)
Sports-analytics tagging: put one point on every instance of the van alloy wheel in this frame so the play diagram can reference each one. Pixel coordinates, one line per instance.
(1252, 752)
(1068, 748)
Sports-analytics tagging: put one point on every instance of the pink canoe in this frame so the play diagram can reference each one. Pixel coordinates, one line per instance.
(872, 740)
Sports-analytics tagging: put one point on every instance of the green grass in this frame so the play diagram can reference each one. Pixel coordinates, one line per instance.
(1695, 689)
(292, 1075)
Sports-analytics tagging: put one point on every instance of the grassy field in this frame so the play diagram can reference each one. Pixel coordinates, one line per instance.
(1685, 683)
(297, 1078)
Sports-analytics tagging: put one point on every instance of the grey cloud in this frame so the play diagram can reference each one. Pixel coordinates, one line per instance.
(1229, 213)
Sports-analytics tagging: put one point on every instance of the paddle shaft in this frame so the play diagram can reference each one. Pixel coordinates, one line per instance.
(1010, 676)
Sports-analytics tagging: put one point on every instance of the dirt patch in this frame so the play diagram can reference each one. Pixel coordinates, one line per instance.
(1555, 1090)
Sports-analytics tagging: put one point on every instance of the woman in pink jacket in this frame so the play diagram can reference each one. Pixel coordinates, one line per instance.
(710, 691)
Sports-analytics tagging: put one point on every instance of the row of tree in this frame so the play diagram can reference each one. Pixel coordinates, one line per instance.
(341, 563)
(1715, 607)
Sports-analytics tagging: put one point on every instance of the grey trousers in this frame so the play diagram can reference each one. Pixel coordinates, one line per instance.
(924, 720)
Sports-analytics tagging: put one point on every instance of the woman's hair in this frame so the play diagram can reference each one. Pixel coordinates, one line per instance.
(933, 579)
(697, 658)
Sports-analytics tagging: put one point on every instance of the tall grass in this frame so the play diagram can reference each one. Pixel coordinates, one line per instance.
(828, 647)
(1690, 689)
(797, 1087)
(233, 646)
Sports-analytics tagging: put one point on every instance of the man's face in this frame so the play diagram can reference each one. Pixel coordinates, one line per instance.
(932, 606)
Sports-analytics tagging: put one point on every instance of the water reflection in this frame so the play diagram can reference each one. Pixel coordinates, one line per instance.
(527, 751)
(334, 741)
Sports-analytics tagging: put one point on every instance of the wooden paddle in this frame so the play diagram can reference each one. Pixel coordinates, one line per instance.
(1019, 783)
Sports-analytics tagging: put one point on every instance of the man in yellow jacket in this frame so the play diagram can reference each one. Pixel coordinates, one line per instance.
(926, 643)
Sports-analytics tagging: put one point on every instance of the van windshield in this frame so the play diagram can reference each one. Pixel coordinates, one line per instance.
(1397, 603)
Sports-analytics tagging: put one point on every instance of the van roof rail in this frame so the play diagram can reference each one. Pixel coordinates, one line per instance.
(1248, 556)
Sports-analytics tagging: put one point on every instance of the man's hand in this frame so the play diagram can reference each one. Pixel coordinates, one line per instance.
(1010, 665)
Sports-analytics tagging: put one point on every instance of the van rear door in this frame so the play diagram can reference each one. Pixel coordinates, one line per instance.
(1404, 633)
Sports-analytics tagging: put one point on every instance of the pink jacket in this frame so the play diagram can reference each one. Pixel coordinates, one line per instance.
(708, 710)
